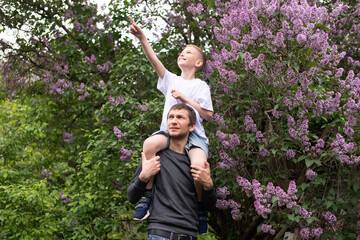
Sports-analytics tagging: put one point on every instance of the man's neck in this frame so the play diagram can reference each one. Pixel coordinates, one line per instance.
(178, 145)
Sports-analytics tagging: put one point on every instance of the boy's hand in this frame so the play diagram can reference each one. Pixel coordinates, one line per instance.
(136, 30)
(178, 95)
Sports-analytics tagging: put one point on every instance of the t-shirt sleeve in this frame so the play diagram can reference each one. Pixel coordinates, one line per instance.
(204, 97)
(163, 83)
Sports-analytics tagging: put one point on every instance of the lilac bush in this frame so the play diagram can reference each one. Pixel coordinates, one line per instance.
(284, 75)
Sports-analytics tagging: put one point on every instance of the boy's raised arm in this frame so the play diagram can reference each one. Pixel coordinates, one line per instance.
(149, 52)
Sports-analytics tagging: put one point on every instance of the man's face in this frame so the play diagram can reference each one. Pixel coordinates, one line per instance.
(189, 57)
(178, 124)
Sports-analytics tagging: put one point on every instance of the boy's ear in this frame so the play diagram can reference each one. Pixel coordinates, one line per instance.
(199, 63)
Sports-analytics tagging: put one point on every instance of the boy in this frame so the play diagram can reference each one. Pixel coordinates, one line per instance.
(186, 89)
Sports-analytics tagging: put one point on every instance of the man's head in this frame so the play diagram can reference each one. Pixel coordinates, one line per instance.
(192, 56)
(180, 121)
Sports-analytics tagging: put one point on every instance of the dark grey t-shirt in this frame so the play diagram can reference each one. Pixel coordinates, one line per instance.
(174, 207)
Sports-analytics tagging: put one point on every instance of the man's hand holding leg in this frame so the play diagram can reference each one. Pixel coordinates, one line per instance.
(150, 167)
(202, 175)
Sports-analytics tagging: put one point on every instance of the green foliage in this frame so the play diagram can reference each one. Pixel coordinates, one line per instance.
(76, 75)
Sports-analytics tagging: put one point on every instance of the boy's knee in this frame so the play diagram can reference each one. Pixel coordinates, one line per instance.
(154, 143)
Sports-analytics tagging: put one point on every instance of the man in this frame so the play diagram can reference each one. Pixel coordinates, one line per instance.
(174, 208)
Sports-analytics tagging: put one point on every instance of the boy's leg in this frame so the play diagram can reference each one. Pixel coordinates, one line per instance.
(198, 157)
(151, 146)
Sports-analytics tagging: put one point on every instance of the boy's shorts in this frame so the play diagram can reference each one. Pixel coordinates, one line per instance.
(193, 141)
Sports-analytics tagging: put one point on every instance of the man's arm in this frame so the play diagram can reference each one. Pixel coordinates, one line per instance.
(149, 52)
(203, 176)
(145, 170)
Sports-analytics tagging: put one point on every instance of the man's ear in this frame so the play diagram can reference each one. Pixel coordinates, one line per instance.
(192, 128)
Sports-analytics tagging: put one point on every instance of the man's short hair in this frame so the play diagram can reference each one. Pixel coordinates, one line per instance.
(202, 55)
(192, 114)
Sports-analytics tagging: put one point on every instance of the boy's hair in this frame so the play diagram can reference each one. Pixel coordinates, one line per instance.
(202, 55)
(192, 114)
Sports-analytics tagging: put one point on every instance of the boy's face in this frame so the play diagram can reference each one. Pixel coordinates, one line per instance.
(189, 57)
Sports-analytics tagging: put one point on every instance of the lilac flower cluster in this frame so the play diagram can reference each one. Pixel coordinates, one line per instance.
(69, 137)
(234, 140)
(235, 212)
(267, 229)
(330, 218)
(118, 133)
(46, 173)
(227, 161)
(290, 154)
(263, 195)
(113, 101)
(117, 185)
(329, 105)
(304, 213)
(250, 125)
(125, 155)
(63, 198)
(195, 10)
(341, 148)
(105, 67)
(219, 119)
(82, 91)
(310, 174)
(222, 192)
(306, 233)
(60, 86)
(144, 107)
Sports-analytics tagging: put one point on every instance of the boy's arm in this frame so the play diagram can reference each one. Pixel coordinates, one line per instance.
(204, 113)
(149, 52)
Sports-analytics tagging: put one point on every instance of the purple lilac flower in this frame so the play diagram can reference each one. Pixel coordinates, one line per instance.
(276, 114)
(304, 213)
(222, 204)
(222, 192)
(46, 173)
(69, 137)
(221, 135)
(228, 162)
(264, 152)
(330, 218)
(262, 210)
(279, 40)
(73, 224)
(245, 184)
(267, 229)
(233, 204)
(235, 213)
(118, 133)
(250, 125)
(126, 155)
(290, 154)
(117, 185)
(305, 233)
(317, 232)
(144, 107)
(111, 100)
(234, 141)
(310, 174)
(63, 198)
(219, 119)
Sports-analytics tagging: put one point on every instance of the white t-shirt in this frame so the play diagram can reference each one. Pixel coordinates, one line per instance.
(195, 89)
